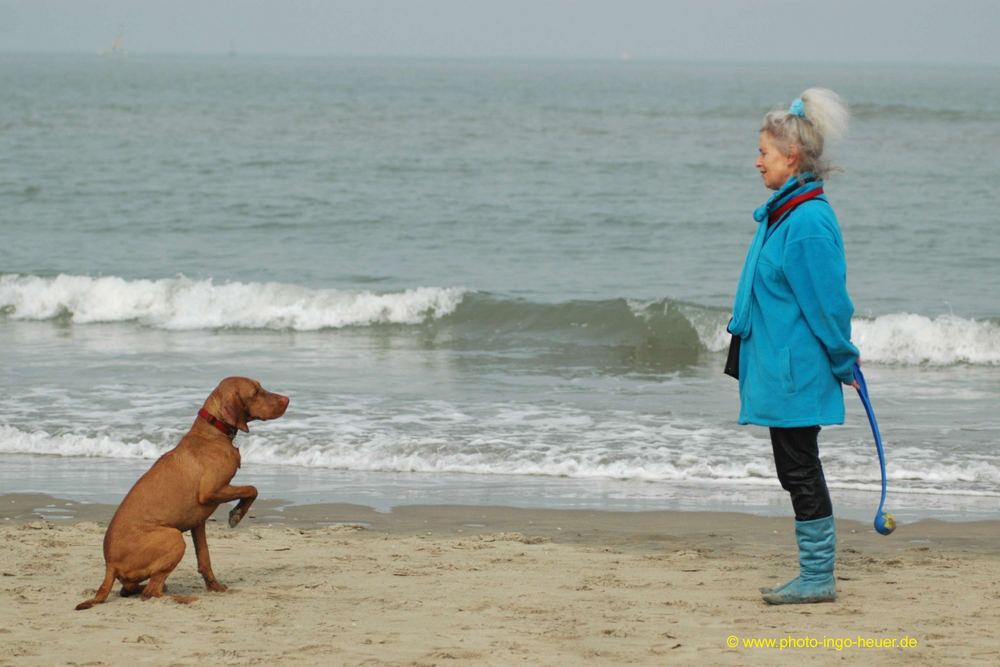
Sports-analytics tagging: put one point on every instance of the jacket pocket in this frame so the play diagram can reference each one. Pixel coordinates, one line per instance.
(785, 369)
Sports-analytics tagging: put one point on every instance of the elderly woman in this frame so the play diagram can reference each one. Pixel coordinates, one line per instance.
(791, 326)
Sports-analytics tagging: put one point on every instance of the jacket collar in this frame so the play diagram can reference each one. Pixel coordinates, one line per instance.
(794, 186)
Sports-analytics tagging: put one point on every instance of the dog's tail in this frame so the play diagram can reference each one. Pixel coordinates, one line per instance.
(102, 592)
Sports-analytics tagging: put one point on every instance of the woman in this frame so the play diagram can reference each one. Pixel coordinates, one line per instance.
(792, 316)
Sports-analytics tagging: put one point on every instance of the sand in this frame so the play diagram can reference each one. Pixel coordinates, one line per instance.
(344, 585)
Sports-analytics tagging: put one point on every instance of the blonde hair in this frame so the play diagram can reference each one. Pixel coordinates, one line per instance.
(825, 119)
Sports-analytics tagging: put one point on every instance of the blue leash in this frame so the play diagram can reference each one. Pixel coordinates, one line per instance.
(884, 522)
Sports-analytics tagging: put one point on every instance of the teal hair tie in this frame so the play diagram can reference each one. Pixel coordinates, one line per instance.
(797, 108)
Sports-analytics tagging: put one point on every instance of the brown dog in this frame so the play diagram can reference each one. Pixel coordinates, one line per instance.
(180, 492)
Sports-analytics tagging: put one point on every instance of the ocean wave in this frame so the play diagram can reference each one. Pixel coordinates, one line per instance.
(181, 303)
(903, 339)
(648, 332)
(637, 333)
(651, 331)
(16, 441)
(908, 339)
(507, 454)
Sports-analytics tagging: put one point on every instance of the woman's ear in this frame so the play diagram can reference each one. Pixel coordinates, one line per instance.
(793, 157)
(233, 411)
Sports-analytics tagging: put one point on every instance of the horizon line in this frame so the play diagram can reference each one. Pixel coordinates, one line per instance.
(625, 61)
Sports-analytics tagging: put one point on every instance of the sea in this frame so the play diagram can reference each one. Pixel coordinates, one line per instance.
(499, 282)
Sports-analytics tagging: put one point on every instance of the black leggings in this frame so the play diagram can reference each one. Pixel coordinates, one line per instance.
(796, 456)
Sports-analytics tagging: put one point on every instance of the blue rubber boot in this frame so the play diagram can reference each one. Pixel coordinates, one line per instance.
(775, 589)
(817, 552)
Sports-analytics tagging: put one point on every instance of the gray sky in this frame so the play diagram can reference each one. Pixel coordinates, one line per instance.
(892, 31)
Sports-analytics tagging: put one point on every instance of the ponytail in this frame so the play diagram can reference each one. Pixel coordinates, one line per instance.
(817, 116)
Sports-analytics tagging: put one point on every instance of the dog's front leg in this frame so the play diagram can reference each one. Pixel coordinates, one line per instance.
(245, 494)
(204, 562)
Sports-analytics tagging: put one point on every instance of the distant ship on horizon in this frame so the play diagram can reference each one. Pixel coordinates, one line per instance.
(117, 49)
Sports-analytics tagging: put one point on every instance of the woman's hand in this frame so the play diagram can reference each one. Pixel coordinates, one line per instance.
(854, 383)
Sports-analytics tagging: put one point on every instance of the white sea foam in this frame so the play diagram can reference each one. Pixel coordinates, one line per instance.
(713, 335)
(915, 339)
(181, 303)
(16, 441)
(901, 338)
(677, 455)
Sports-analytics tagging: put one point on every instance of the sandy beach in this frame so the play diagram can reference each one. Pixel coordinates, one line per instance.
(345, 585)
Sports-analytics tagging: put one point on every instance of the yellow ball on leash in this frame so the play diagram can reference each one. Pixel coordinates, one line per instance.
(885, 523)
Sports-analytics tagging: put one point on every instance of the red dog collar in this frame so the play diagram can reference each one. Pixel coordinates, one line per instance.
(230, 431)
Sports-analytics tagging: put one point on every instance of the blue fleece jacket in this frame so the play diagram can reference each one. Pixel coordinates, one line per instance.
(796, 345)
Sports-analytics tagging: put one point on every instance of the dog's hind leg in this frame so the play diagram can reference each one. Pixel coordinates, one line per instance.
(168, 544)
(156, 588)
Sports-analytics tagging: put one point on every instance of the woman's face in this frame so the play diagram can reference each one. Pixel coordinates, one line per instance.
(775, 167)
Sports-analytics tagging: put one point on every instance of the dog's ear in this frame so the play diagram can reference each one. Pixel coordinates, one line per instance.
(233, 411)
